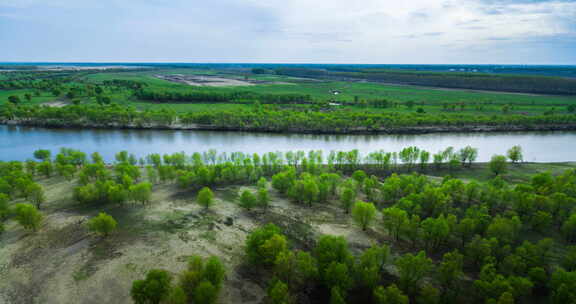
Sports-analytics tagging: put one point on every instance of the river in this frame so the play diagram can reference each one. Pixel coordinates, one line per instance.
(19, 142)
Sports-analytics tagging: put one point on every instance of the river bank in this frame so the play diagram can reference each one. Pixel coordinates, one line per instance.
(413, 130)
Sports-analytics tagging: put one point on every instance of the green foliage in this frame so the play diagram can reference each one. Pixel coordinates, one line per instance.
(369, 266)
(141, 192)
(278, 293)
(103, 224)
(363, 214)
(498, 164)
(263, 198)
(42, 155)
(515, 154)
(331, 249)
(450, 270)
(205, 293)
(248, 200)
(336, 296)
(390, 295)
(203, 279)
(154, 289)
(28, 216)
(205, 198)
(347, 198)
(412, 269)
(394, 219)
(264, 244)
(176, 296)
(35, 193)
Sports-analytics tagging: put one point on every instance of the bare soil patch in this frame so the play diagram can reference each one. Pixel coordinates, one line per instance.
(208, 81)
(64, 263)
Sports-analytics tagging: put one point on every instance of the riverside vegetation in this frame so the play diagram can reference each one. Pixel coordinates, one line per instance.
(386, 227)
(274, 101)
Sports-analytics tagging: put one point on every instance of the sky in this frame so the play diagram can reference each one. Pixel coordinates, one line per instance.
(290, 31)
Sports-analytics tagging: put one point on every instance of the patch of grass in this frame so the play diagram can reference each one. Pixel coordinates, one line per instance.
(83, 273)
(44, 97)
(208, 235)
(520, 173)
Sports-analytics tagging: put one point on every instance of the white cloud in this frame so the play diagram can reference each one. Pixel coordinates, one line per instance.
(368, 31)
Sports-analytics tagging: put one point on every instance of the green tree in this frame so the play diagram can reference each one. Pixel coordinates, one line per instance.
(363, 214)
(14, 99)
(370, 265)
(176, 296)
(205, 197)
(337, 275)
(569, 228)
(278, 293)
(102, 224)
(205, 293)
(248, 200)
(428, 295)
(498, 164)
(394, 219)
(515, 154)
(35, 193)
(141, 192)
(449, 271)
(42, 155)
(272, 248)
(259, 249)
(347, 198)
(412, 269)
(506, 298)
(28, 216)
(468, 155)
(263, 198)
(154, 289)
(336, 296)
(390, 295)
(45, 168)
(331, 249)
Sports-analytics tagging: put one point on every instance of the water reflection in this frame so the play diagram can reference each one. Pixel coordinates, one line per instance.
(18, 143)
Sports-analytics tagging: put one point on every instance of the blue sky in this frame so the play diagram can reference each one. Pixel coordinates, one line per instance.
(290, 31)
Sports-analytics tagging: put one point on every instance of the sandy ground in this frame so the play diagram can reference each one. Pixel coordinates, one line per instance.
(64, 263)
(209, 81)
(56, 104)
(215, 81)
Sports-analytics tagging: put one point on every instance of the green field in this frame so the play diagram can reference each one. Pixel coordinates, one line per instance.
(429, 99)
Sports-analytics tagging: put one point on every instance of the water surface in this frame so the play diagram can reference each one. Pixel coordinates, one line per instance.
(19, 142)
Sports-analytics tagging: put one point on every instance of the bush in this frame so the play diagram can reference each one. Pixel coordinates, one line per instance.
(248, 200)
(256, 250)
(363, 214)
(102, 224)
(152, 290)
(28, 216)
(205, 197)
(498, 164)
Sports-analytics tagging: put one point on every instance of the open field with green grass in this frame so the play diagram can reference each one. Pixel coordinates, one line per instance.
(429, 99)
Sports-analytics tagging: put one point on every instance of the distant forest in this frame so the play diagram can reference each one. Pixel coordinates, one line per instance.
(460, 80)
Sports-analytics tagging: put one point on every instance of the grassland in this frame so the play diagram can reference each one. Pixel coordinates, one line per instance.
(430, 100)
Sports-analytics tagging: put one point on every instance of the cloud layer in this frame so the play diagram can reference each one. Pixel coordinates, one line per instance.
(323, 31)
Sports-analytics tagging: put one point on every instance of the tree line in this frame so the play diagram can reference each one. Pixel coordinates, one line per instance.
(478, 81)
(220, 97)
(262, 118)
